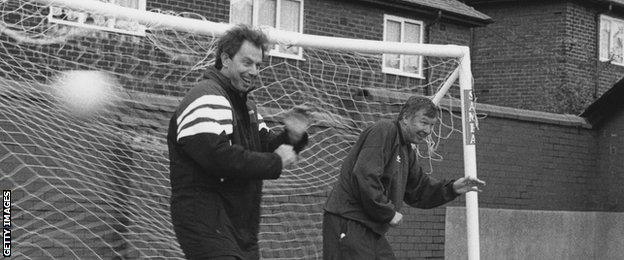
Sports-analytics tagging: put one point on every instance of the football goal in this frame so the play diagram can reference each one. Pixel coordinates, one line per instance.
(96, 185)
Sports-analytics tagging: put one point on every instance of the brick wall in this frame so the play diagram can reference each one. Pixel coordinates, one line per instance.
(609, 179)
(540, 55)
(343, 19)
(579, 47)
(517, 58)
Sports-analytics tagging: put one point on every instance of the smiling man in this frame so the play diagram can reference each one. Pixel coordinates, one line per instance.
(220, 150)
(379, 174)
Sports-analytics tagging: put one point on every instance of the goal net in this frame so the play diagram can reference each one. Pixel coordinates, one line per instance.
(97, 186)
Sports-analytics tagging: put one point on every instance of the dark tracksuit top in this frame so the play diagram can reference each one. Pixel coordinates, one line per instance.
(378, 175)
(220, 150)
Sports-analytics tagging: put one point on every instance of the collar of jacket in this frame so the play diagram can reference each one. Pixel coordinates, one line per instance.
(400, 133)
(213, 73)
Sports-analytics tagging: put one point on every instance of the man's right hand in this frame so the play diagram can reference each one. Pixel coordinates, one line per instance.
(297, 121)
(397, 219)
(287, 153)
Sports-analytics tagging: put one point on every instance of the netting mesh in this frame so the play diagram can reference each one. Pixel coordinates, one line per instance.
(98, 187)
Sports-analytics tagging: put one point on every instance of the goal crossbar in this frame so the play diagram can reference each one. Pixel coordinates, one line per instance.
(281, 36)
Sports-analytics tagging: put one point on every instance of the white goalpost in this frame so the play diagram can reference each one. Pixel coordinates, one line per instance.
(99, 188)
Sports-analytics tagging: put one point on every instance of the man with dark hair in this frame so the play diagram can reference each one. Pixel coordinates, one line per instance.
(231, 42)
(220, 150)
(379, 174)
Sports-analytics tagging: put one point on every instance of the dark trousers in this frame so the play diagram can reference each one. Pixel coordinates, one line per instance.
(345, 239)
(205, 231)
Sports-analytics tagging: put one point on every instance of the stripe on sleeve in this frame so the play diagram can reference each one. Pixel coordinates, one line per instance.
(213, 101)
(205, 127)
(207, 114)
(261, 123)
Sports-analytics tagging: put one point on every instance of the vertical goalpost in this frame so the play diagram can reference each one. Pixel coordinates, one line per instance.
(469, 121)
(463, 73)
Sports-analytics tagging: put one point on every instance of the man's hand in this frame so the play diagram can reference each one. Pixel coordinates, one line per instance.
(287, 154)
(397, 219)
(466, 184)
(297, 121)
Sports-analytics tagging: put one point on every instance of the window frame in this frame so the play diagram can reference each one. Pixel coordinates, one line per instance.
(255, 20)
(142, 6)
(605, 57)
(400, 72)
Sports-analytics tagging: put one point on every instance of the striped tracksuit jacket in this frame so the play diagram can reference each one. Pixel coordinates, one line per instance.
(220, 150)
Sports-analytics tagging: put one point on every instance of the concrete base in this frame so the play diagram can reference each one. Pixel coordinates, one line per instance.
(532, 234)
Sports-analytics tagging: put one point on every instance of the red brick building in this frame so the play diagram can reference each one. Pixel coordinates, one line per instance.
(555, 56)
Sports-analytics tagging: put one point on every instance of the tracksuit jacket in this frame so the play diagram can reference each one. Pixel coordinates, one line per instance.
(220, 150)
(379, 174)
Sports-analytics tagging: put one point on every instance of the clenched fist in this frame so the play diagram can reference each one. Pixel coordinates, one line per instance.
(287, 153)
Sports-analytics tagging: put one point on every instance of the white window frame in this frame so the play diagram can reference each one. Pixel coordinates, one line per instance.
(278, 4)
(608, 56)
(110, 23)
(401, 72)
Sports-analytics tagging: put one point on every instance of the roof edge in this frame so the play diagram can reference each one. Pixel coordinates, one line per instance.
(493, 110)
(606, 104)
(432, 11)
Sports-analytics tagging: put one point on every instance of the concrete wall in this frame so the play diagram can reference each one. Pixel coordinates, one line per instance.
(536, 234)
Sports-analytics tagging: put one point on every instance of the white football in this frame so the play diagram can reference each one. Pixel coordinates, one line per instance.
(85, 92)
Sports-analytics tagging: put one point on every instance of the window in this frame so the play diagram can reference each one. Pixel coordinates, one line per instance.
(65, 16)
(398, 29)
(285, 15)
(611, 40)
